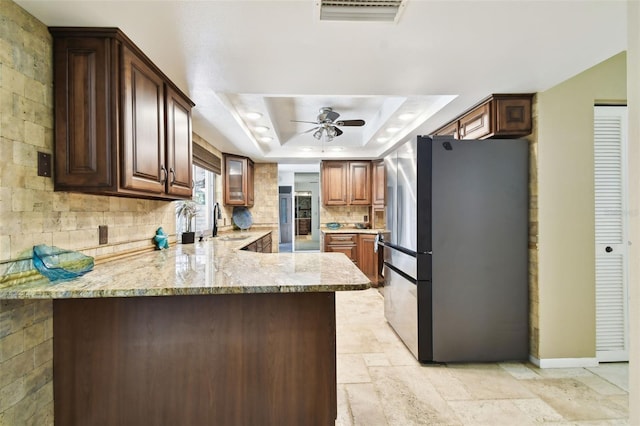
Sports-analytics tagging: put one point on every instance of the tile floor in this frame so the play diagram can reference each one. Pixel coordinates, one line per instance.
(380, 383)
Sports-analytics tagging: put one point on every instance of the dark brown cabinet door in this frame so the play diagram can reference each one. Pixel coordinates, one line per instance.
(84, 157)
(449, 130)
(334, 183)
(360, 183)
(476, 124)
(250, 183)
(512, 115)
(379, 184)
(498, 116)
(180, 177)
(238, 181)
(143, 159)
(111, 136)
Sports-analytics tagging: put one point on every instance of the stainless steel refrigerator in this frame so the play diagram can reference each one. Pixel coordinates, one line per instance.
(455, 268)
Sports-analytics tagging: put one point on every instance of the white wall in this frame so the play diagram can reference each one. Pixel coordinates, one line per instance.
(566, 237)
(633, 93)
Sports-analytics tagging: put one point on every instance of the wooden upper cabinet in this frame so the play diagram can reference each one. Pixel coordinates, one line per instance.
(143, 159)
(179, 152)
(334, 183)
(250, 183)
(359, 184)
(238, 180)
(84, 154)
(346, 183)
(450, 129)
(378, 184)
(121, 126)
(475, 124)
(498, 116)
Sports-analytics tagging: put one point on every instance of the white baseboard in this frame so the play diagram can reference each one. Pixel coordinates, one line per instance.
(564, 362)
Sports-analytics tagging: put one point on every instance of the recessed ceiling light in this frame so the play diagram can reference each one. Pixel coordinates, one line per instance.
(306, 149)
(382, 139)
(336, 148)
(266, 139)
(393, 129)
(406, 116)
(253, 115)
(261, 129)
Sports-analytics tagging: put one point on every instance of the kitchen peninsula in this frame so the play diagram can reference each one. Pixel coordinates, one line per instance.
(239, 338)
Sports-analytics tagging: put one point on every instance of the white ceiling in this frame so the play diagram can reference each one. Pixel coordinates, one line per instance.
(278, 58)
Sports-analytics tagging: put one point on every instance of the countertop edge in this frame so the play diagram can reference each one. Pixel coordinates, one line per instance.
(237, 272)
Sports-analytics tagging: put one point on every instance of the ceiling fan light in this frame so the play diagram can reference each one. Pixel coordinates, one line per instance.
(317, 134)
(331, 132)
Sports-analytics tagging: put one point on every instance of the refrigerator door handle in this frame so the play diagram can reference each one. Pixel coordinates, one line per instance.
(399, 248)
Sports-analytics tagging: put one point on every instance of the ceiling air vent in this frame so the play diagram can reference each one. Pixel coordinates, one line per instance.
(361, 10)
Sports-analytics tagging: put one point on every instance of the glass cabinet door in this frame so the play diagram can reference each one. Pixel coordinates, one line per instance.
(235, 171)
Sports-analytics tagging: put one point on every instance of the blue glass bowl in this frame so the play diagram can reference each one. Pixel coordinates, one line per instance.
(60, 265)
(333, 225)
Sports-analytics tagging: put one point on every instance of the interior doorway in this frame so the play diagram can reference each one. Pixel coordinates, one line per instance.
(285, 212)
(611, 233)
(307, 212)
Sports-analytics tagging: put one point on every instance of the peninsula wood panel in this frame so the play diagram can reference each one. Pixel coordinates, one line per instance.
(237, 359)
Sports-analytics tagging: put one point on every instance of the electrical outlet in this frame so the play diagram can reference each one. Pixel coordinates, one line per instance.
(103, 234)
(366, 218)
(44, 164)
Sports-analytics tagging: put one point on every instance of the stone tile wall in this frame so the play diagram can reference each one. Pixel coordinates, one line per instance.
(26, 362)
(32, 213)
(345, 215)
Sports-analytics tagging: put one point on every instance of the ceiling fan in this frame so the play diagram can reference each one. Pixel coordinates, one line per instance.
(327, 123)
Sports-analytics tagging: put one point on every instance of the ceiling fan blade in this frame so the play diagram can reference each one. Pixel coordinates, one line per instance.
(309, 131)
(349, 123)
(338, 131)
(298, 121)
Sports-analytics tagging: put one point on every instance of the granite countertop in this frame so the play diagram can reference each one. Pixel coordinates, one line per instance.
(346, 230)
(214, 266)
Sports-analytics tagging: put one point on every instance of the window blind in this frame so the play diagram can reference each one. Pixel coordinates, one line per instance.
(206, 159)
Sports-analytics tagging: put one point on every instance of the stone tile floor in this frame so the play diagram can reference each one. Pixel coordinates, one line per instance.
(381, 383)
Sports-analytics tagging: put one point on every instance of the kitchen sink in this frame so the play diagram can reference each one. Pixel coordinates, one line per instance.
(234, 238)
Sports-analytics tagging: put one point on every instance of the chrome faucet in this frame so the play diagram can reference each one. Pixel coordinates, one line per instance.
(217, 214)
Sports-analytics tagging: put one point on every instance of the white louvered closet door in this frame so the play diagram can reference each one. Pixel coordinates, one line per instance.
(610, 127)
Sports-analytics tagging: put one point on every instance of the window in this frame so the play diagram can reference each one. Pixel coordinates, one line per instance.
(204, 195)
